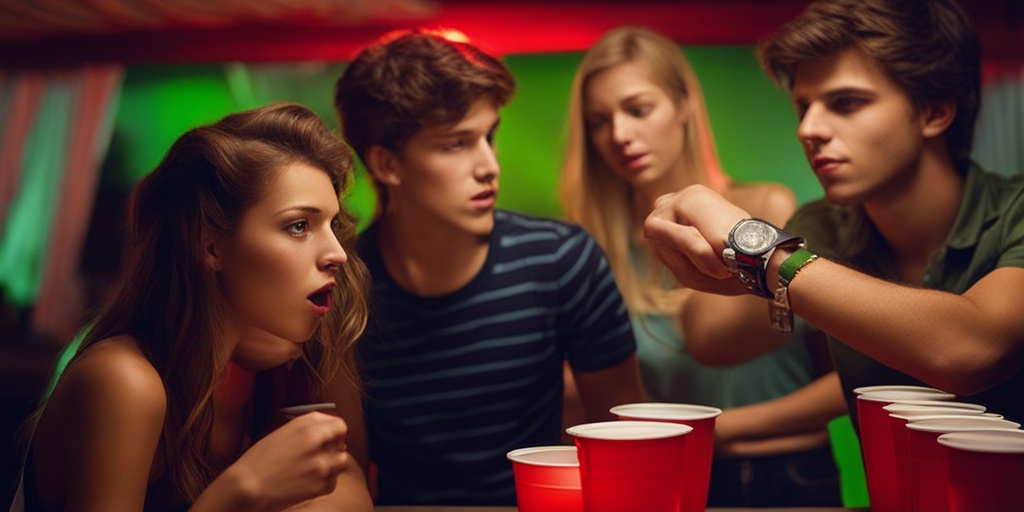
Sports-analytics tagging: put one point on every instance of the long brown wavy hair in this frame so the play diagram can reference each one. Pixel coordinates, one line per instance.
(169, 302)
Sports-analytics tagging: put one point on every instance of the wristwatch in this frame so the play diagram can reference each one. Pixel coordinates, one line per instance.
(749, 247)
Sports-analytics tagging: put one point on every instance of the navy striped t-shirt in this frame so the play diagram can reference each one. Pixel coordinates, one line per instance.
(454, 383)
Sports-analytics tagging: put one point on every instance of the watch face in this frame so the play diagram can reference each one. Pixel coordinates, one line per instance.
(753, 236)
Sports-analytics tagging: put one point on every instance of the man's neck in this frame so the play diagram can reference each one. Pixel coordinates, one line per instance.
(915, 216)
(429, 261)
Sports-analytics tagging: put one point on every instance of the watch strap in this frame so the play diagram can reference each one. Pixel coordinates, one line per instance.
(794, 263)
(779, 310)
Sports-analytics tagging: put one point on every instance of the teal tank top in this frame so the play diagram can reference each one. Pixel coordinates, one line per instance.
(671, 374)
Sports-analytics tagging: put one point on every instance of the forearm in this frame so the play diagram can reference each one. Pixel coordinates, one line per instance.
(806, 410)
(959, 343)
(725, 330)
(229, 491)
(350, 495)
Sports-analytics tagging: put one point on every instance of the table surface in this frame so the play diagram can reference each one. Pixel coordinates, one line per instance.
(716, 509)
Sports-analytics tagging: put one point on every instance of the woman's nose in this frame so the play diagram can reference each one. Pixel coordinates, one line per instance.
(622, 131)
(334, 256)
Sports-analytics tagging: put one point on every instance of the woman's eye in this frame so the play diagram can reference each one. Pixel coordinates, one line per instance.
(638, 111)
(594, 122)
(298, 228)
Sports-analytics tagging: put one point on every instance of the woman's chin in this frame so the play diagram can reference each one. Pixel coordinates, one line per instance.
(257, 361)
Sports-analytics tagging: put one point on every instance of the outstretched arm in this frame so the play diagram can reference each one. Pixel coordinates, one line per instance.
(960, 343)
(725, 330)
(804, 411)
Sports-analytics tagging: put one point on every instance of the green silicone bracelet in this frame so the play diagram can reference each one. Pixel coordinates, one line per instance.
(793, 264)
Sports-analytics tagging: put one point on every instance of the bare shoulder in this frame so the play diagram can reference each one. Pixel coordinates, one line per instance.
(114, 375)
(97, 437)
(773, 202)
(117, 362)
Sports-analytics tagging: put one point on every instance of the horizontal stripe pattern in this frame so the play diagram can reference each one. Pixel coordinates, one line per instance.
(455, 382)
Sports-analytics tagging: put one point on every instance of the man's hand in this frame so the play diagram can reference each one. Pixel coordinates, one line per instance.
(688, 230)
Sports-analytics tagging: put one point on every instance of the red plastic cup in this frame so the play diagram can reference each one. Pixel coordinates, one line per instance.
(630, 466)
(700, 444)
(986, 469)
(876, 442)
(547, 479)
(900, 413)
(928, 471)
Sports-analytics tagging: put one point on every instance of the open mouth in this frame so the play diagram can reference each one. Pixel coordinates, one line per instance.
(321, 299)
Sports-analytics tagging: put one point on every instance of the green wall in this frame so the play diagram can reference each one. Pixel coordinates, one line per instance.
(754, 125)
(753, 122)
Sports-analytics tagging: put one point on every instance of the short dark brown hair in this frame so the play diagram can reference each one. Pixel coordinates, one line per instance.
(928, 47)
(408, 80)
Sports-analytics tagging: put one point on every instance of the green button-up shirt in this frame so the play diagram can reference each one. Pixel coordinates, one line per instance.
(988, 233)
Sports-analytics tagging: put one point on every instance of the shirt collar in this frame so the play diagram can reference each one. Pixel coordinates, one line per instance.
(982, 198)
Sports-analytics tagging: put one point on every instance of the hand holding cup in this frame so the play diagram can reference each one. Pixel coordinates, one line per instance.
(299, 461)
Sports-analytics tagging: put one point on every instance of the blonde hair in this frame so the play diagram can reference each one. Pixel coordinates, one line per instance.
(594, 197)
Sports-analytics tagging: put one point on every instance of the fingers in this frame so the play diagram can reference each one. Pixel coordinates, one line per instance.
(335, 460)
(683, 249)
(331, 430)
(318, 432)
(335, 443)
(688, 231)
(700, 207)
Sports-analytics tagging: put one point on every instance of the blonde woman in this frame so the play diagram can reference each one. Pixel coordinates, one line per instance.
(639, 129)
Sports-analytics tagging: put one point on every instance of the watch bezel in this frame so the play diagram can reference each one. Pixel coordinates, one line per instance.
(749, 264)
(737, 236)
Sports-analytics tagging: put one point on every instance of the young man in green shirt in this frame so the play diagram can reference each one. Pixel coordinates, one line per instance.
(914, 261)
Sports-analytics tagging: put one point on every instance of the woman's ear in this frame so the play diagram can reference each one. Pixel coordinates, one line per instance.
(383, 165)
(211, 254)
(684, 110)
(937, 117)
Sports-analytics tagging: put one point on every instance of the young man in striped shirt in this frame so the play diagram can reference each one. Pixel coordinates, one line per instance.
(474, 309)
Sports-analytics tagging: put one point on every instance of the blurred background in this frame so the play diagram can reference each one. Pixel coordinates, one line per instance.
(92, 94)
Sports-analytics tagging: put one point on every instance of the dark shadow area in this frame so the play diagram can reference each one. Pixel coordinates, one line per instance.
(27, 358)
